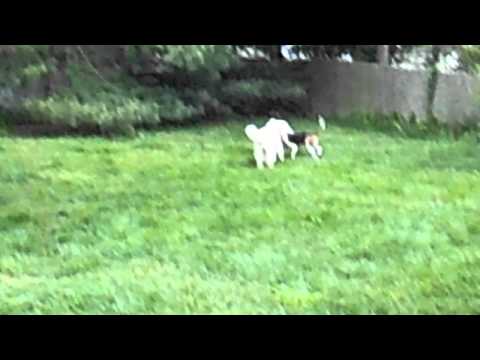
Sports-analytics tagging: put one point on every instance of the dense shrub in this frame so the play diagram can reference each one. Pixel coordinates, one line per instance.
(186, 83)
(27, 63)
(260, 97)
(107, 109)
(254, 70)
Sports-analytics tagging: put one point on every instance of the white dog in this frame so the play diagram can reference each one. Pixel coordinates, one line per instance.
(284, 130)
(267, 145)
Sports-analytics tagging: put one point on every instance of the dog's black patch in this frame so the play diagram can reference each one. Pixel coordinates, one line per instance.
(298, 138)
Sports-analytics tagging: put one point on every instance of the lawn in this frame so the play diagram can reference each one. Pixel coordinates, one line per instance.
(180, 222)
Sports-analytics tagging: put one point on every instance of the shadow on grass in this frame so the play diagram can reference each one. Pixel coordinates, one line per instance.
(25, 129)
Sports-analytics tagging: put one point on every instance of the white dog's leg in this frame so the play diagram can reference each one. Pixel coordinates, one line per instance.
(259, 156)
(293, 147)
(311, 151)
(280, 151)
(319, 150)
(270, 158)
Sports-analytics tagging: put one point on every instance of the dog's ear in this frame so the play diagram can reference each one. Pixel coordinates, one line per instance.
(322, 123)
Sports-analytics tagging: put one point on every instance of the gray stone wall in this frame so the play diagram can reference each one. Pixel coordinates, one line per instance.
(341, 88)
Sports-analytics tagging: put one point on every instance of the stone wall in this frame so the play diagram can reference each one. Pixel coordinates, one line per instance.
(341, 88)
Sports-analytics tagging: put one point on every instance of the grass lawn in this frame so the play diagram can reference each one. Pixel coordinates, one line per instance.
(180, 222)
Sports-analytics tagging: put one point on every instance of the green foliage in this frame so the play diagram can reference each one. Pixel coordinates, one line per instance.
(105, 111)
(366, 53)
(194, 57)
(4, 125)
(193, 82)
(470, 58)
(109, 97)
(264, 88)
(180, 222)
(26, 64)
(259, 97)
(35, 71)
(259, 87)
(108, 109)
(114, 102)
(206, 103)
(31, 51)
(255, 70)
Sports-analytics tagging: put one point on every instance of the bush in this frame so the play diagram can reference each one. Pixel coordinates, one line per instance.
(115, 102)
(107, 110)
(26, 64)
(253, 70)
(260, 97)
(3, 123)
(208, 105)
(196, 86)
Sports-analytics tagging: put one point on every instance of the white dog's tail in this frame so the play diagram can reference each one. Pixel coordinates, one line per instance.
(322, 123)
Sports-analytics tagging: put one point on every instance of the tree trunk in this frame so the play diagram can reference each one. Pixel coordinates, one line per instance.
(332, 51)
(319, 51)
(58, 56)
(276, 53)
(433, 79)
(122, 58)
(383, 55)
(357, 53)
(436, 50)
(51, 71)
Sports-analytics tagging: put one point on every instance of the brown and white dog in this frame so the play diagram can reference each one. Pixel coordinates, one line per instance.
(310, 140)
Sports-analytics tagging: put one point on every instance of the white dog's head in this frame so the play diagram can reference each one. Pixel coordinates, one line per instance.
(252, 132)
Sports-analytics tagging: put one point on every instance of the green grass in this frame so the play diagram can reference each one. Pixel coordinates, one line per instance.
(180, 222)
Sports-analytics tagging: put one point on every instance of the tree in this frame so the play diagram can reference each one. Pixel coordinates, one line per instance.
(272, 52)
(383, 57)
(432, 62)
(469, 57)
(365, 53)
